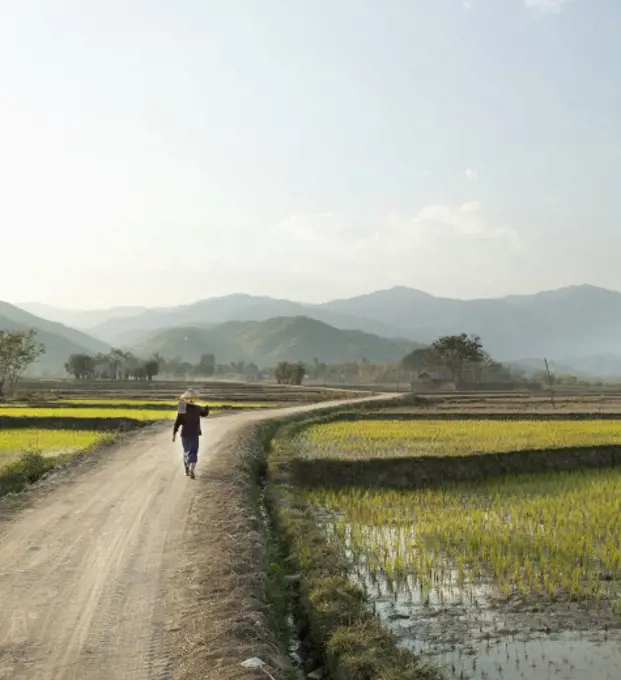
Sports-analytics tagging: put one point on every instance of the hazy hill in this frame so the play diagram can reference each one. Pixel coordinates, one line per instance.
(531, 366)
(209, 312)
(577, 326)
(583, 319)
(594, 366)
(84, 320)
(60, 341)
(575, 321)
(268, 342)
(220, 310)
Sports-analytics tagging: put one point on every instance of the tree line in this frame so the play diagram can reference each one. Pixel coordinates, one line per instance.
(354, 372)
(207, 367)
(120, 365)
(460, 359)
(290, 374)
(115, 365)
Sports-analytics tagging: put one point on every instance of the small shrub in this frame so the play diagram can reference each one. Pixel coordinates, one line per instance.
(17, 476)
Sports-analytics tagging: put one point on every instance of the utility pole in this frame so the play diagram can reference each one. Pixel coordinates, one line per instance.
(550, 382)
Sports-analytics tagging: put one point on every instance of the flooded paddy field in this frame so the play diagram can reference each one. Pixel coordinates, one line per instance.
(517, 578)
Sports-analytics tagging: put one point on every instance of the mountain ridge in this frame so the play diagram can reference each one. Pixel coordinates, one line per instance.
(60, 341)
(579, 321)
(278, 339)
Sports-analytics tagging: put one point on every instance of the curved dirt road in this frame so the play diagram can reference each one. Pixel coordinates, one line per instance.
(84, 565)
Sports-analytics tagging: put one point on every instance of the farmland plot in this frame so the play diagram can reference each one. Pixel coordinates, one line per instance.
(367, 439)
(103, 412)
(16, 442)
(512, 578)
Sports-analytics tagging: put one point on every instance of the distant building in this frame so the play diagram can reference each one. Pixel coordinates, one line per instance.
(433, 378)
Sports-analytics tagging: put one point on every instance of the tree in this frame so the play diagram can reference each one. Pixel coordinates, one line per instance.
(81, 366)
(238, 366)
(455, 352)
(297, 373)
(281, 373)
(151, 368)
(18, 350)
(117, 360)
(206, 366)
(290, 374)
(417, 360)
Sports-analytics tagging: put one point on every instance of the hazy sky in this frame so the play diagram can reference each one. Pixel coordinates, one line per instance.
(160, 151)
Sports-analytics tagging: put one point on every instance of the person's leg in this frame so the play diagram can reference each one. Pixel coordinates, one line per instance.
(186, 443)
(193, 455)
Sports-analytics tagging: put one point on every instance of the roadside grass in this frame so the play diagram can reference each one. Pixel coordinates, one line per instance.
(377, 439)
(16, 475)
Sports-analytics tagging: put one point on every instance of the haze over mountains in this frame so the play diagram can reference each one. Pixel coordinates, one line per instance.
(265, 343)
(60, 341)
(579, 326)
(119, 326)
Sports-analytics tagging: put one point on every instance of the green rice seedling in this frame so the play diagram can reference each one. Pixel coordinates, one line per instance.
(543, 536)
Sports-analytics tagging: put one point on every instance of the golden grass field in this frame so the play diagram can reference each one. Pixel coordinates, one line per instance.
(134, 413)
(366, 439)
(16, 442)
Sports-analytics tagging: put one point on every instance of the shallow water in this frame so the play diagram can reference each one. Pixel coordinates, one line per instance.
(471, 635)
(573, 655)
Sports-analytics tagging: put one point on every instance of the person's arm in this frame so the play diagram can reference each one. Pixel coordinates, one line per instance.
(178, 423)
(204, 411)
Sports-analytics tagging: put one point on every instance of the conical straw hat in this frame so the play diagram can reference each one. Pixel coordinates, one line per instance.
(189, 394)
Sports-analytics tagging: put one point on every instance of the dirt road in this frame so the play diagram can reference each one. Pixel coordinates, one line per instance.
(85, 564)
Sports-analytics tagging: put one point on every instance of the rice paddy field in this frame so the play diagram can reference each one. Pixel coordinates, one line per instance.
(134, 412)
(515, 404)
(367, 439)
(53, 432)
(516, 577)
(57, 434)
(172, 404)
(46, 420)
(222, 392)
(15, 442)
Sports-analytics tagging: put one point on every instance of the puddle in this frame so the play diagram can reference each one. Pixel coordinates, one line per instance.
(458, 622)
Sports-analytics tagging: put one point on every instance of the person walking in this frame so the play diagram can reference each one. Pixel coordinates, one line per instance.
(189, 416)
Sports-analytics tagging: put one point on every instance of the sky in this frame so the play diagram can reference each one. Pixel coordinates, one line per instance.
(156, 152)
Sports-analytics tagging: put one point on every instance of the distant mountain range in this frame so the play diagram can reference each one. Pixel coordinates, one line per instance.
(118, 326)
(578, 325)
(60, 341)
(268, 342)
(84, 320)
